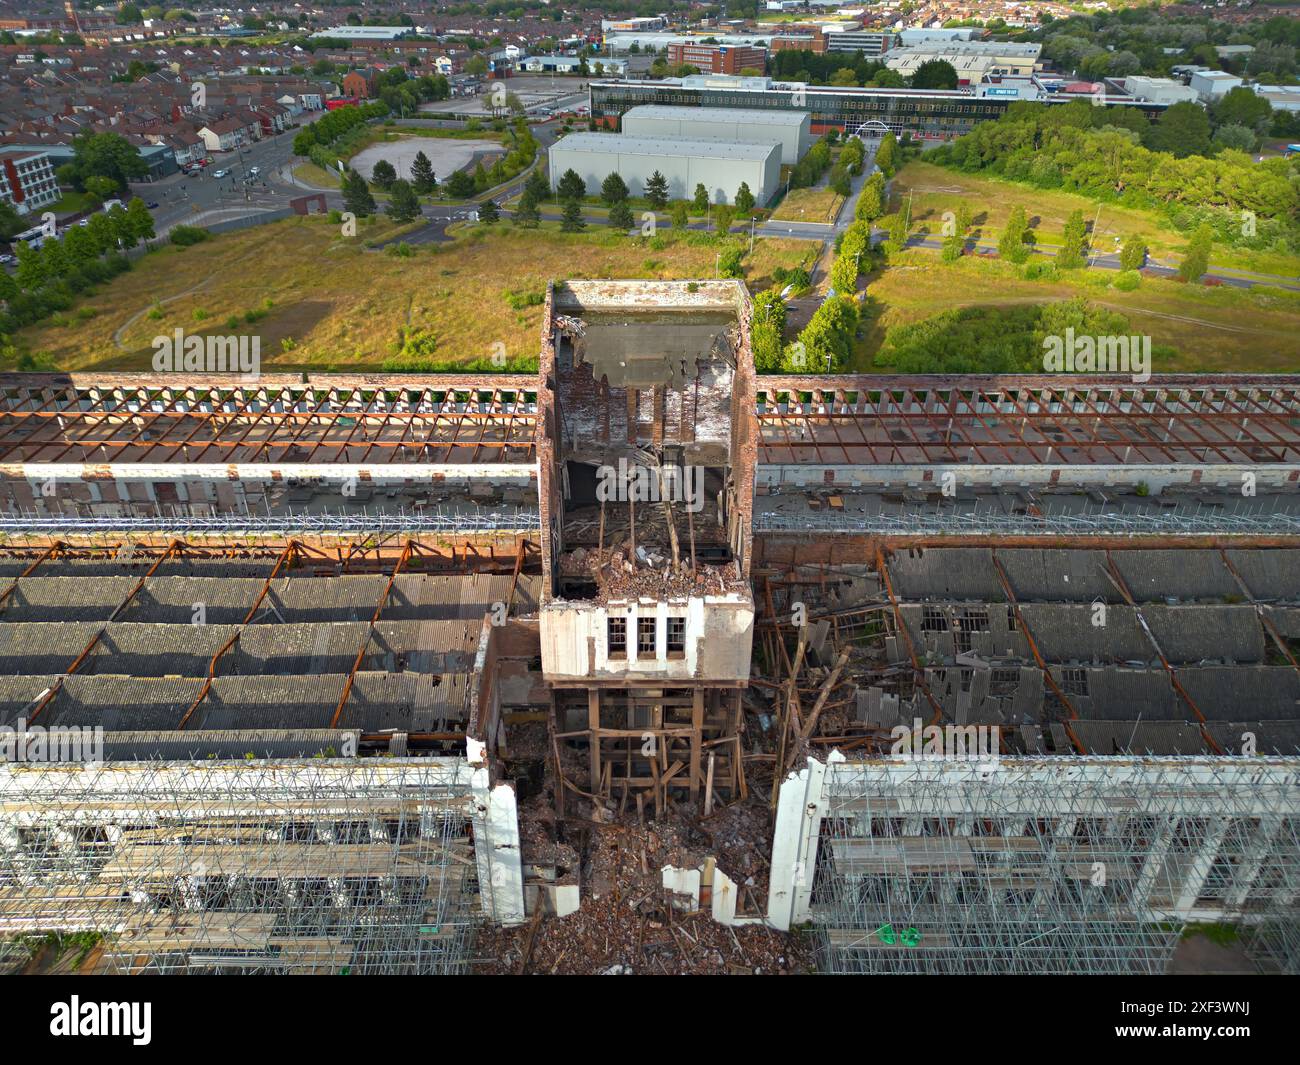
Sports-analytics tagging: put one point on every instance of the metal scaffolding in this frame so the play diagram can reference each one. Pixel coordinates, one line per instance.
(161, 418)
(1237, 518)
(1049, 866)
(316, 866)
(359, 523)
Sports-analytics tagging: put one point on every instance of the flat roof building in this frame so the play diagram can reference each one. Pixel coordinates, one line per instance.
(718, 166)
(792, 130)
(928, 112)
(1210, 84)
(1159, 90)
(27, 181)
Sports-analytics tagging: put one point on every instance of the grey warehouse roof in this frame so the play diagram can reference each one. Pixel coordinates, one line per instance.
(618, 143)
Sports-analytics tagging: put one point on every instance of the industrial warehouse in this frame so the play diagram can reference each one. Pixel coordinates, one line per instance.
(720, 167)
(790, 129)
(648, 664)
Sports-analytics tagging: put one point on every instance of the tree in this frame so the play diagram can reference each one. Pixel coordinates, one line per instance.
(700, 204)
(356, 194)
(744, 199)
(460, 186)
(488, 212)
(1236, 137)
(1183, 130)
(887, 155)
(828, 337)
(1196, 259)
(895, 233)
(536, 186)
(107, 155)
(101, 188)
(656, 191)
(31, 272)
(1074, 242)
(571, 220)
(871, 201)
(11, 221)
(526, 215)
(423, 180)
(100, 229)
(852, 155)
(613, 190)
(403, 205)
(1133, 256)
(141, 221)
(935, 74)
(722, 218)
(620, 217)
(767, 334)
(1011, 245)
(571, 186)
(1242, 107)
(129, 14)
(476, 65)
(680, 214)
(383, 175)
(123, 230)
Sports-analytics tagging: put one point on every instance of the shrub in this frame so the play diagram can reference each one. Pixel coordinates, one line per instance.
(183, 236)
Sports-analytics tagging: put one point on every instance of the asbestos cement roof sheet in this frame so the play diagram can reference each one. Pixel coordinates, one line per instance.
(38, 647)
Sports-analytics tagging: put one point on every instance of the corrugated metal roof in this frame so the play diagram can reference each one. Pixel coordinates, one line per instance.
(667, 148)
(37, 647)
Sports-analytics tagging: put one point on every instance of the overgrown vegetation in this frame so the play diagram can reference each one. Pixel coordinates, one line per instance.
(1100, 153)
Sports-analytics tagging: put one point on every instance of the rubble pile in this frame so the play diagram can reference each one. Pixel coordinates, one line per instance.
(627, 923)
(623, 572)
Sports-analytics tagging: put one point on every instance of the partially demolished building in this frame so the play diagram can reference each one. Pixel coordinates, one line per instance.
(972, 675)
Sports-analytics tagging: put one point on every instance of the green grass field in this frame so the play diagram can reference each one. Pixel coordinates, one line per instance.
(928, 191)
(334, 304)
(1213, 329)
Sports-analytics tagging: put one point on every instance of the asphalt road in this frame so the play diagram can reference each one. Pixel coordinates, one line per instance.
(182, 198)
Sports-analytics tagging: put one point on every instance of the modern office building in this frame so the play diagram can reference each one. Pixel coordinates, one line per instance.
(27, 181)
(870, 43)
(931, 112)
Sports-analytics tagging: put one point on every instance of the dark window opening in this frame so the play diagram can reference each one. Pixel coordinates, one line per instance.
(676, 636)
(645, 636)
(1075, 681)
